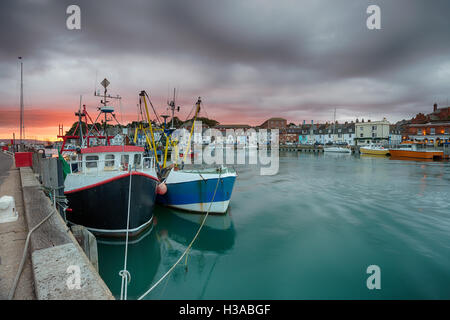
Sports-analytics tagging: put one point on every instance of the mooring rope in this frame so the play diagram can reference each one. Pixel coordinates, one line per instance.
(188, 247)
(126, 277)
(24, 256)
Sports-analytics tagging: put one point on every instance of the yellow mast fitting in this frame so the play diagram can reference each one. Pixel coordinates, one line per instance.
(135, 135)
(150, 126)
(165, 152)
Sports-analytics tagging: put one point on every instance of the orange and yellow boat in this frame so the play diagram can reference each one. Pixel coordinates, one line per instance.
(416, 154)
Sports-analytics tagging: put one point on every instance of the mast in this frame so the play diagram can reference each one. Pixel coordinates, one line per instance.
(197, 110)
(80, 124)
(106, 109)
(334, 125)
(172, 108)
(22, 126)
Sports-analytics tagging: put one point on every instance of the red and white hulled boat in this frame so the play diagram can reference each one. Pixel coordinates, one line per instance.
(99, 184)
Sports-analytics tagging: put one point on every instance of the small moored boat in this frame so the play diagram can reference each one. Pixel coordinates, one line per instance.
(374, 150)
(413, 152)
(337, 150)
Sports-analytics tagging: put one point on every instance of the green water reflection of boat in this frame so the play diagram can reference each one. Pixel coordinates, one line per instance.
(152, 253)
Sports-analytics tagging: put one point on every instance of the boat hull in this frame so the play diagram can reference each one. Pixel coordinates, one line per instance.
(416, 154)
(195, 192)
(103, 207)
(374, 151)
(337, 150)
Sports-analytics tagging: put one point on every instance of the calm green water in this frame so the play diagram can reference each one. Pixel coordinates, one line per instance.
(309, 232)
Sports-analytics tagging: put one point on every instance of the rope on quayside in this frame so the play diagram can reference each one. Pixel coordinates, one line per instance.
(188, 247)
(126, 277)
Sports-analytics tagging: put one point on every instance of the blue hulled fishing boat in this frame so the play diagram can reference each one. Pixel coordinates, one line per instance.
(195, 190)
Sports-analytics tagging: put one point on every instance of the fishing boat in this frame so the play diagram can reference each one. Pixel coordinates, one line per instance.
(107, 183)
(411, 151)
(374, 150)
(111, 189)
(199, 190)
(196, 190)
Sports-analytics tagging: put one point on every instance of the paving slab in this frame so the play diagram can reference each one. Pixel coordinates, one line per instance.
(12, 237)
(56, 271)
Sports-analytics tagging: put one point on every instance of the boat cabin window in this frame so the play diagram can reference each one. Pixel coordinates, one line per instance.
(109, 160)
(91, 161)
(124, 159)
(137, 161)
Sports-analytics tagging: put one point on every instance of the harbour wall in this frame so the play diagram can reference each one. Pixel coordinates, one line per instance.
(61, 269)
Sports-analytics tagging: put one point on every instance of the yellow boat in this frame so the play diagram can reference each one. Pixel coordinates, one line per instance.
(380, 151)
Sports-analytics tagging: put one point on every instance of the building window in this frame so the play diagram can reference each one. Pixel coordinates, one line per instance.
(374, 127)
(432, 131)
(361, 135)
(361, 129)
(446, 130)
(374, 135)
(91, 161)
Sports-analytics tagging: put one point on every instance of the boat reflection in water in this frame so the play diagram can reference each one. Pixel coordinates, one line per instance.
(153, 253)
(372, 156)
(411, 159)
(144, 258)
(175, 230)
(217, 234)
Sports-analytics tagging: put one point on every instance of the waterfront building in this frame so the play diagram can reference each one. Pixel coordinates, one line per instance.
(274, 123)
(431, 128)
(395, 134)
(372, 132)
(240, 133)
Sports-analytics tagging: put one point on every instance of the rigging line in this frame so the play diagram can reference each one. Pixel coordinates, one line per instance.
(189, 114)
(93, 126)
(121, 113)
(126, 277)
(189, 246)
(154, 111)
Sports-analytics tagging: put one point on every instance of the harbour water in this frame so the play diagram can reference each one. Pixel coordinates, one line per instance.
(309, 232)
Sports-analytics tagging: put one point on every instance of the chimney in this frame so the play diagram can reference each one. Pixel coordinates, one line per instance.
(435, 107)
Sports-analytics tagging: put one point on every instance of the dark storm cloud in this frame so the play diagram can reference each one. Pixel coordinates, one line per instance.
(298, 57)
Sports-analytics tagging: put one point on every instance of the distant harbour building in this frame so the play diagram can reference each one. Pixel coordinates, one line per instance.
(324, 133)
(376, 132)
(430, 128)
(395, 134)
(274, 123)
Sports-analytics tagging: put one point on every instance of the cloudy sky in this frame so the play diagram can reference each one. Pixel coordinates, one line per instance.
(248, 60)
